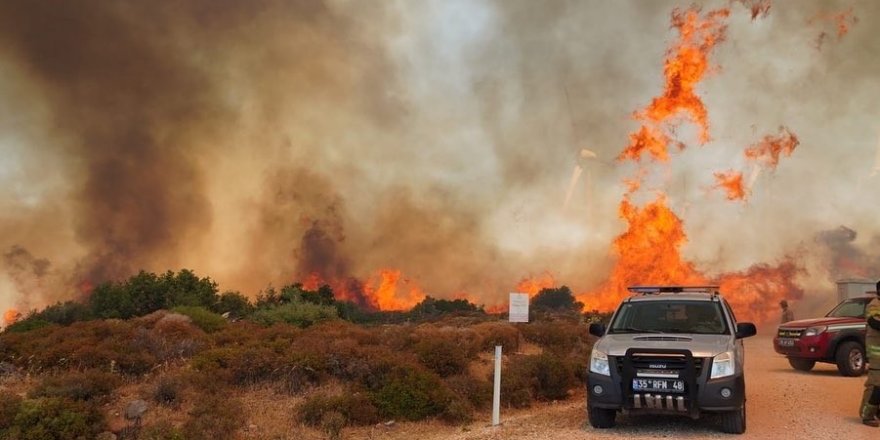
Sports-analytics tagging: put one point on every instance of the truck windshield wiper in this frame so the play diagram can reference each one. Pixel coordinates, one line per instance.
(635, 330)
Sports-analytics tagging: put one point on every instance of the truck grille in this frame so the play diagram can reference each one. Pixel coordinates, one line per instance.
(649, 361)
(790, 333)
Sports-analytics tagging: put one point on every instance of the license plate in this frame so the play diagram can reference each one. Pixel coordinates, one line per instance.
(658, 385)
(786, 342)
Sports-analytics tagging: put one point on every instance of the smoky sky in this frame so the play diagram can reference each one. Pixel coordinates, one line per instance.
(256, 141)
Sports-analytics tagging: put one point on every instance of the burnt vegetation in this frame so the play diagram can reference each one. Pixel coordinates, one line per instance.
(176, 342)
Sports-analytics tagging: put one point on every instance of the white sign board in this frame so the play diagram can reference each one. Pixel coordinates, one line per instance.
(519, 307)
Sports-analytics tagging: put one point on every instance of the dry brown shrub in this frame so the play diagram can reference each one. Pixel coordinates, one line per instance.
(497, 333)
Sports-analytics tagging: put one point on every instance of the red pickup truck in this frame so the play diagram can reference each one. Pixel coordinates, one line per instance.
(838, 338)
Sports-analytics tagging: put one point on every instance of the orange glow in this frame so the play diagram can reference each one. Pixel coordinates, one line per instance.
(10, 317)
(389, 291)
(533, 285)
(732, 184)
(313, 282)
(768, 150)
(687, 62)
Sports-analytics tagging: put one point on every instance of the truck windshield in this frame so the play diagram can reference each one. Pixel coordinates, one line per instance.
(678, 316)
(848, 309)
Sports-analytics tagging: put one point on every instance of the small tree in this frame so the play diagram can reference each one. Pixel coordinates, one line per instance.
(556, 300)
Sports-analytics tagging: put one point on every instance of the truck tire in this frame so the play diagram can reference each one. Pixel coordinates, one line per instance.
(734, 422)
(801, 364)
(601, 418)
(850, 359)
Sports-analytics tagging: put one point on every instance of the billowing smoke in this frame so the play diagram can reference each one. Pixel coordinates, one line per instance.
(261, 142)
(846, 258)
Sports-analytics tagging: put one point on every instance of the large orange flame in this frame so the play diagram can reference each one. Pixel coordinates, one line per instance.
(10, 317)
(687, 62)
(649, 251)
(534, 284)
(392, 292)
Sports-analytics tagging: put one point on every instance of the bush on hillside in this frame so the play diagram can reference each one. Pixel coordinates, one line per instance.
(214, 416)
(54, 418)
(204, 319)
(556, 300)
(84, 386)
(300, 314)
(355, 408)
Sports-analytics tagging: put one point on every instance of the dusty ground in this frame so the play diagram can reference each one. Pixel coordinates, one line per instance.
(782, 404)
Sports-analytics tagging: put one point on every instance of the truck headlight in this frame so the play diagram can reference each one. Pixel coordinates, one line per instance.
(813, 331)
(722, 365)
(599, 363)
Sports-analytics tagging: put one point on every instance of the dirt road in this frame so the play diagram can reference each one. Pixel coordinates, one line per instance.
(782, 404)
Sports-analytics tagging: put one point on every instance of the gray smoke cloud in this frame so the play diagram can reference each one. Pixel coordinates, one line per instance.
(256, 142)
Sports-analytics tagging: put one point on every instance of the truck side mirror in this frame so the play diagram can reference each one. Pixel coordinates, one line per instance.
(597, 330)
(745, 329)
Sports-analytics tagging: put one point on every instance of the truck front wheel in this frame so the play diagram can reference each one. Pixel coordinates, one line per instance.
(801, 364)
(601, 418)
(734, 422)
(850, 359)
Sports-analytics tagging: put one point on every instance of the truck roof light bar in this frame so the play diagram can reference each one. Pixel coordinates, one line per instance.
(650, 290)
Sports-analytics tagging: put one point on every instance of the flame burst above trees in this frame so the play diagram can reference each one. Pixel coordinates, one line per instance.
(649, 251)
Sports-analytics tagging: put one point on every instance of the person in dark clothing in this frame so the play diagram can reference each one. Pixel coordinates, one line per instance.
(871, 397)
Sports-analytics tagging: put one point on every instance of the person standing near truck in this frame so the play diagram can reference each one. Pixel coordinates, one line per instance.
(787, 314)
(871, 397)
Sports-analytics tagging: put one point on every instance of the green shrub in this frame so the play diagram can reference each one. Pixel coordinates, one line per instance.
(214, 416)
(477, 392)
(204, 319)
(355, 408)
(301, 314)
(234, 303)
(458, 411)
(83, 386)
(554, 377)
(32, 322)
(517, 382)
(442, 353)
(161, 431)
(556, 299)
(55, 419)
(560, 337)
(411, 394)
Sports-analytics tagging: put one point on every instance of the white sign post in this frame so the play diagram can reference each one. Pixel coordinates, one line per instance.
(519, 307)
(496, 397)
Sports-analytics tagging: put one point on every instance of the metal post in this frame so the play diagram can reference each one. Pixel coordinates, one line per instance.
(496, 398)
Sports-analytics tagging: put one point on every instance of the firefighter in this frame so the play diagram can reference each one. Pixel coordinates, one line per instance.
(787, 314)
(871, 398)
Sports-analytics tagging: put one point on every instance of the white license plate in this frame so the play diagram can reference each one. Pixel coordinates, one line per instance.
(658, 385)
(787, 342)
